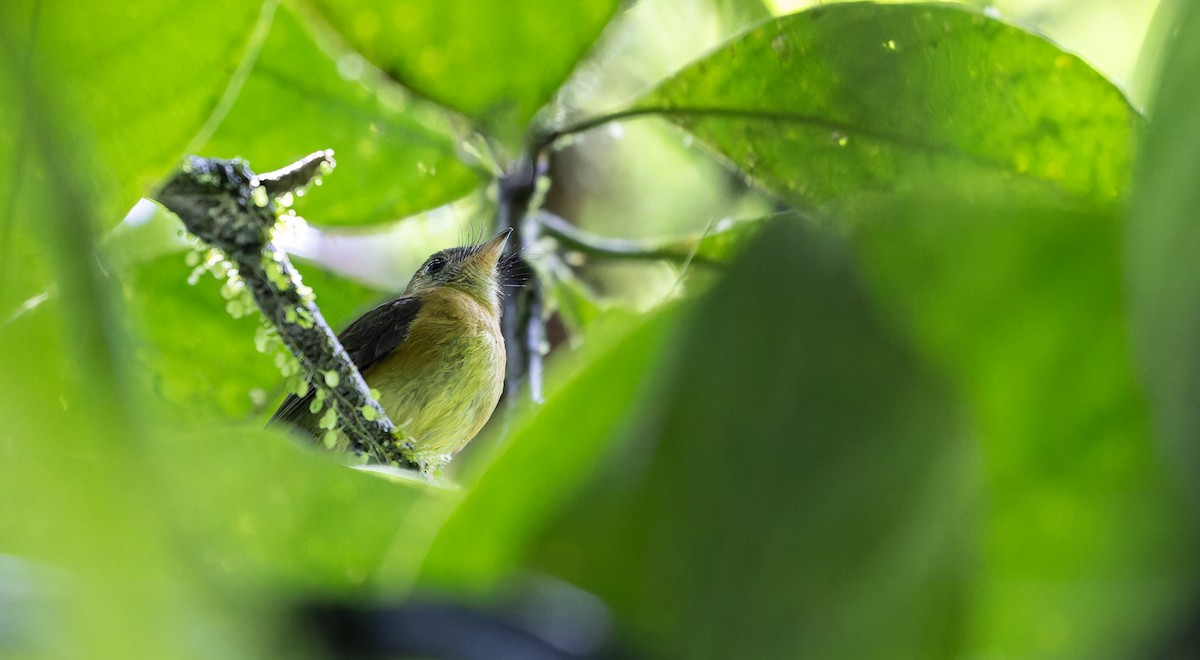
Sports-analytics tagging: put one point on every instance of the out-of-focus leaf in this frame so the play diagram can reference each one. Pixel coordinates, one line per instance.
(255, 512)
(799, 490)
(73, 502)
(550, 454)
(843, 100)
(396, 156)
(740, 13)
(203, 362)
(1085, 548)
(494, 61)
(729, 238)
(1163, 235)
(140, 79)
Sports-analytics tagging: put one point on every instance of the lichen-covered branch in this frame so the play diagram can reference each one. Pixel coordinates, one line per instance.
(230, 208)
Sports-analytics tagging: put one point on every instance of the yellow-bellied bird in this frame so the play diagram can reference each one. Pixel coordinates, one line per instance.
(435, 354)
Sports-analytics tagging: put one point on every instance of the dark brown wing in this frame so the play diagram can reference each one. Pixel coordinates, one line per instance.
(368, 340)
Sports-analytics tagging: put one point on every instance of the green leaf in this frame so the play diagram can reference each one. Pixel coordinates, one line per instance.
(798, 488)
(498, 62)
(137, 84)
(75, 523)
(260, 512)
(1085, 549)
(1163, 236)
(841, 101)
(396, 156)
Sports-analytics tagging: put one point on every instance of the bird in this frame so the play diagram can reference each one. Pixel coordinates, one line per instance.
(435, 355)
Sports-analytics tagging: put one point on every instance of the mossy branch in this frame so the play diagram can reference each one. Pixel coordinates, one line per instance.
(229, 207)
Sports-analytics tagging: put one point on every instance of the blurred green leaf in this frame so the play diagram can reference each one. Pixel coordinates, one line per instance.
(1163, 236)
(1085, 549)
(201, 361)
(740, 13)
(550, 453)
(840, 101)
(396, 156)
(73, 506)
(799, 488)
(138, 79)
(498, 62)
(252, 510)
(727, 240)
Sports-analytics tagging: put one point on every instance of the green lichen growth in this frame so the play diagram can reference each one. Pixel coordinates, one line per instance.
(329, 420)
(259, 197)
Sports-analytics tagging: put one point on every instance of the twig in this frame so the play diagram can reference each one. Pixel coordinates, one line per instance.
(227, 206)
(579, 240)
(297, 175)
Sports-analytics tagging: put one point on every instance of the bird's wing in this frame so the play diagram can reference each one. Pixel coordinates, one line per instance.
(368, 340)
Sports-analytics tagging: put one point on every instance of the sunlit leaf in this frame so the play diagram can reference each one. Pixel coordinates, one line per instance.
(494, 61)
(396, 156)
(841, 101)
(73, 514)
(137, 79)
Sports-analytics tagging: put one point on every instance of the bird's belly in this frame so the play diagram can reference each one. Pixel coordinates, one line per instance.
(442, 393)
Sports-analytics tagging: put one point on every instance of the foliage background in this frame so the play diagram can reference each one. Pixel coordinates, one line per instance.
(903, 362)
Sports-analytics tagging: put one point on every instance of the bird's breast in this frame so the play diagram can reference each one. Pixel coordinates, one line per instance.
(442, 383)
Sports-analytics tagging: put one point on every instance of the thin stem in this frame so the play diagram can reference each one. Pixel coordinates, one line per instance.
(546, 140)
(579, 240)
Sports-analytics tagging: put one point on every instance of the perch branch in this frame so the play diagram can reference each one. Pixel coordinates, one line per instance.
(230, 208)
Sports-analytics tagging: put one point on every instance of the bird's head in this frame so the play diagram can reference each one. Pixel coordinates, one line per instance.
(475, 270)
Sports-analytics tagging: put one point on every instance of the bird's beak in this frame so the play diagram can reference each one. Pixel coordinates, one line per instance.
(489, 253)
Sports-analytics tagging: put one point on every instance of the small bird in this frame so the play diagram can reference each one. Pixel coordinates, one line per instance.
(435, 355)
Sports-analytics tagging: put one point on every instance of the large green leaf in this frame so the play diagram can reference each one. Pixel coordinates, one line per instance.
(139, 80)
(396, 156)
(1085, 550)
(800, 488)
(494, 61)
(844, 100)
(73, 520)
(256, 511)
(1163, 243)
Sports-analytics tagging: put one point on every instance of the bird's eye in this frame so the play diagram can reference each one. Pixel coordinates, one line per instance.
(434, 266)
